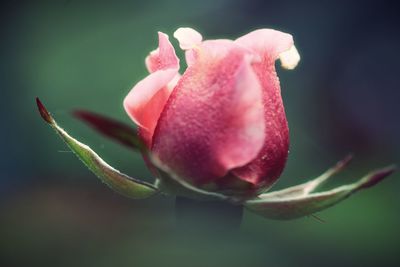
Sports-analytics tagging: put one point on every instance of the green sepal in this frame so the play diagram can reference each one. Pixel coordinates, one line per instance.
(310, 186)
(116, 180)
(299, 201)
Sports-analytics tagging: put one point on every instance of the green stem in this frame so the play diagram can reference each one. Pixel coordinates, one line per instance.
(206, 216)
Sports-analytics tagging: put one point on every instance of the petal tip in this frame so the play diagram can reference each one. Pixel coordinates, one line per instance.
(162, 35)
(187, 37)
(290, 58)
(43, 111)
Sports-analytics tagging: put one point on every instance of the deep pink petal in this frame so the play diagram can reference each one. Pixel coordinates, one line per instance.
(147, 99)
(267, 167)
(214, 119)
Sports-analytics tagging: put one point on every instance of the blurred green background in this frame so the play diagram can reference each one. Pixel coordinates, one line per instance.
(343, 97)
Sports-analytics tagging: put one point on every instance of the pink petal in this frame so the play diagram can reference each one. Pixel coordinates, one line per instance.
(163, 57)
(190, 57)
(213, 121)
(269, 164)
(273, 45)
(267, 167)
(147, 99)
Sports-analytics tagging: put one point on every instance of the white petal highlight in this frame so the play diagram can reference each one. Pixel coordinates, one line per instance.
(187, 38)
(290, 58)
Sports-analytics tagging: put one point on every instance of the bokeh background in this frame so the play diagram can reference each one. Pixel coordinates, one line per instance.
(343, 97)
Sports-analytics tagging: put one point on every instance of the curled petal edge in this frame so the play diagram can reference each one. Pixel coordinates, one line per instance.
(275, 44)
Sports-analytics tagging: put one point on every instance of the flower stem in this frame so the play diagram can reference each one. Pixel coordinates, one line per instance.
(206, 216)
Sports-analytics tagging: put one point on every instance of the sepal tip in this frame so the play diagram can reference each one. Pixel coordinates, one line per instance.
(44, 113)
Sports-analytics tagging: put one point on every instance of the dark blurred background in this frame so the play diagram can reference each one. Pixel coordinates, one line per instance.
(343, 97)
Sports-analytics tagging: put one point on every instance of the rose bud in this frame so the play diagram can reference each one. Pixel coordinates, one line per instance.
(218, 131)
(220, 126)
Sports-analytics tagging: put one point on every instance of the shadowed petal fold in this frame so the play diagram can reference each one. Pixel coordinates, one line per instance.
(268, 45)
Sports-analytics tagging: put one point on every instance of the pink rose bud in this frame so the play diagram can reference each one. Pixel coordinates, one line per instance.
(221, 125)
(216, 132)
